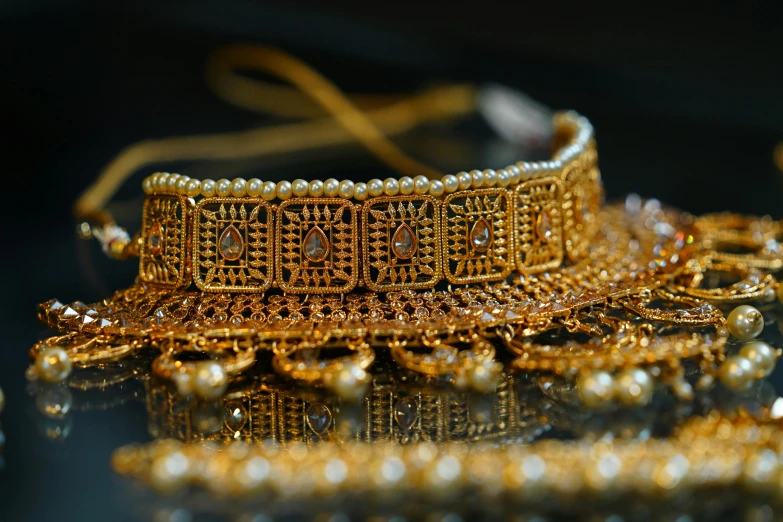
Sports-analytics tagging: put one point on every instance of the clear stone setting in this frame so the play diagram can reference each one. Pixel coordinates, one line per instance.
(406, 411)
(319, 418)
(544, 226)
(235, 417)
(404, 243)
(316, 246)
(231, 244)
(155, 239)
(481, 236)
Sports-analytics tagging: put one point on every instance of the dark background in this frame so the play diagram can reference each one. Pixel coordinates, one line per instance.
(687, 102)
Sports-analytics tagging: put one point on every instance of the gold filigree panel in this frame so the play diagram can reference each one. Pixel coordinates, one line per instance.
(582, 200)
(163, 251)
(232, 245)
(317, 246)
(400, 247)
(476, 234)
(539, 225)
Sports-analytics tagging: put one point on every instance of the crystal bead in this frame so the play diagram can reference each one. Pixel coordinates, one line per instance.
(316, 246)
(404, 242)
(155, 239)
(231, 244)
(406, 411)
(319, 418)
(481, 236)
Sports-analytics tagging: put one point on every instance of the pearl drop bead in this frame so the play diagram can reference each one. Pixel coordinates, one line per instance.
(490, 178)
(210, 379)
(207, 188)
(300, 188)
(745, 322)
(450, 183)
(634, 387)
(182, 182)
(478, 178)
(465, 180)
(171, 182)
(193, 188)
(254, 187)
(269, 190)
(391, 187)
(223, 187)
(146, 185)
(421, 184)
(595, 389)
(284, 190)
(737, 373)
(375, 187)
(436, 188)
(238, 188)
(53, 365)
(331, 187)
(360, 191)
(761, 355)
(316, 188)
(406, 185)
(346, 189)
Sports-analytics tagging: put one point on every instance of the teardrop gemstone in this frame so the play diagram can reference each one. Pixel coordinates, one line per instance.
(155, 239)
(316, 246)
(319, 418)
(404, 242)
(481, 236)
(231, 244)
(406, 411)
(544, 226)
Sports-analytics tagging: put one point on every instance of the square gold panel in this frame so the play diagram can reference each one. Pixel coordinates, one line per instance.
(476, 229)
(162, 258)
(539, 218)
(232, 245)
(582, 200)
(317, 246)
(400, 243)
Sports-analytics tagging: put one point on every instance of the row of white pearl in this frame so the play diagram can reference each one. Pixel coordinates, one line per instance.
(163, 182)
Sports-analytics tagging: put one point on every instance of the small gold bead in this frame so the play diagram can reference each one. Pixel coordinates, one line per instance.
(53, 365)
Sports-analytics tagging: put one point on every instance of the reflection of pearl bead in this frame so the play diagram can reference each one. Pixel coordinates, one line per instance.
(634, 387)
(269, 190)
(745, 322)
(736, 373)
(254, 187)
(391, 187)
(436, 188)
(485, 377)
(346, 189)
(349, 382)
(316, 188)
(421, 184)
(223, 187)
(375, 187)
(53, 365)
(238, 188)
(207, 188)
(284, 190)
(465, 180)
(300, 188)
(193, 188)
(595, 389)
(360, 191)
(450, 183)
(406, 185)
(762, 356)
(209, 379)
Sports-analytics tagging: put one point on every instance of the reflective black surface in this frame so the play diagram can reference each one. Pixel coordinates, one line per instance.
(686, 105)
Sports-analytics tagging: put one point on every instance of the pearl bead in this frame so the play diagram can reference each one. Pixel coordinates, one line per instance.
(634, 387)
(193, 188)
(450, 183)
(160, 181)
(360, 191)
(762, 356)
(406, 185)
(490, 178)
(207, 188)
(331, 187)
(210, 379)
(2, 400)
(436, 188)
(284, 190)
(421, 184)
(300, 188)
(316, 188)
(477, 177)
(349, 382)
(465, 180)
(391, 187)
(146, 185)
(171, 182)
(346, 189)
(514, 174)
(238, 188)
(53, 365)
(182, 182)
(595, 389)
(745, 322)
(375, 187)
(769, 295)
(254, 187)
(736, 373)
(269, 191)
(223, 187)
(503, 178)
